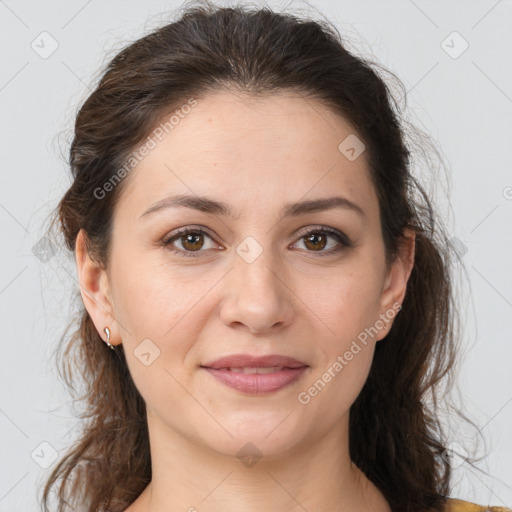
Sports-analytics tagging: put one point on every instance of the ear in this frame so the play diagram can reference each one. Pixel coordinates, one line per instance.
(395, 285)
(95, 291)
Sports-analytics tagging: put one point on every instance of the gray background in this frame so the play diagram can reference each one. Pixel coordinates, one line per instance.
(463, 100)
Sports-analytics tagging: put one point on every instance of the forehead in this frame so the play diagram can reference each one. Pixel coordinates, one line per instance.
(279, 148)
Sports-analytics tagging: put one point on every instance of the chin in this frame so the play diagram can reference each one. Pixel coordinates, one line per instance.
(255, 439)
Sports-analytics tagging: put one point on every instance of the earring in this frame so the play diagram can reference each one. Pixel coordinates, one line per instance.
(107, 332)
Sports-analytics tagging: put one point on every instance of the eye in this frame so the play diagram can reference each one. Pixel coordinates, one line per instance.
(192, 240)
(316, 240)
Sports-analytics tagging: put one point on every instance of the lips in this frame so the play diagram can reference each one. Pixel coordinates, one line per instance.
(252, 370)
(247, 361)
(256, 375)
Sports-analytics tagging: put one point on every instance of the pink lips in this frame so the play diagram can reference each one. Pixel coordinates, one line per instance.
(256, 375)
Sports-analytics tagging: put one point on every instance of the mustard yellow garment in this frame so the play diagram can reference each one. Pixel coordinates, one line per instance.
(454, 505)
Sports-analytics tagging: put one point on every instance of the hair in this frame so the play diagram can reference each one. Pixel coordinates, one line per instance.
(395, 437)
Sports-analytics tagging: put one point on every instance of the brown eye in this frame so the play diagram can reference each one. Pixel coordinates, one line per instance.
(316, 241)
(189, 242)
(324, 241)
(192, 241)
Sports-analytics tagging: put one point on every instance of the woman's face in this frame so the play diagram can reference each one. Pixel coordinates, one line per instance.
(262, 279)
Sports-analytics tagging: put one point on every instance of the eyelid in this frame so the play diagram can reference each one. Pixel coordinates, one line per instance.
(184, 229)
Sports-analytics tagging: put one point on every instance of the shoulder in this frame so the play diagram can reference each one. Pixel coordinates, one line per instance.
(455, 505)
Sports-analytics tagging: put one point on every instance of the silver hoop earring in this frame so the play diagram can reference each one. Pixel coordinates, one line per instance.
(107, 332)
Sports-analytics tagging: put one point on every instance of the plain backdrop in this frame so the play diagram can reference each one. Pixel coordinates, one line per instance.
(454, 60)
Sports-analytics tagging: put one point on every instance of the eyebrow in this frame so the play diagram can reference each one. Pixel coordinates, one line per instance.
(208, 205)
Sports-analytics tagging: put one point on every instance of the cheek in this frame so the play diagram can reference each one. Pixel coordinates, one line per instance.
(152, 299)
(348, 305)
(334, 387)
(347, 301)
(161, 314)
(347, 385)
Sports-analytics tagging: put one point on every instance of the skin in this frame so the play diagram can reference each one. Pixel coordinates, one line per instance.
(256, 155)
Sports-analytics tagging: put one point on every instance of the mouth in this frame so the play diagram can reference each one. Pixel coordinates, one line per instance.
(256, 375)
(255, 369)
(257, 380)
(244, 361)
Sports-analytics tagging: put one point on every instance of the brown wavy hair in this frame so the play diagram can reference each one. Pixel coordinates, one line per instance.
(396, 437)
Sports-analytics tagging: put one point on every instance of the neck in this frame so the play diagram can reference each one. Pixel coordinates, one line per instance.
(311, 476)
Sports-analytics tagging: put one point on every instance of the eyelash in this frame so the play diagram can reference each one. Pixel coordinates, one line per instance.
(343, 240)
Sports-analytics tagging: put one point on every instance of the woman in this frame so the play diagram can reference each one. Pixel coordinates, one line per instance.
(266, 305)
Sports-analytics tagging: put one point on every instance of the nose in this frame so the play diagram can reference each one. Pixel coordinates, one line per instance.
(257, 297)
